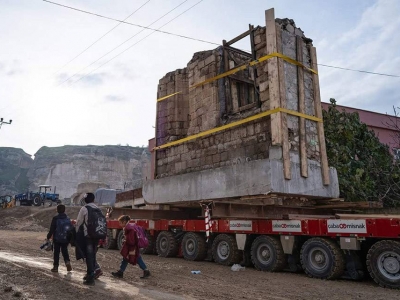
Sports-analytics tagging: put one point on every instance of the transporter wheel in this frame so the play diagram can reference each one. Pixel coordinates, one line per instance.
(150, 248)
(322, 258)
(194, 246)
(37, 201)
(383, 263)
(120, 239)
(110, 243)
(267, 254)
(225, 250)
(166, 244)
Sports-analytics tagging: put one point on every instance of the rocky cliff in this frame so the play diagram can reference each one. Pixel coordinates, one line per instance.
(66, 167)
(14, 165)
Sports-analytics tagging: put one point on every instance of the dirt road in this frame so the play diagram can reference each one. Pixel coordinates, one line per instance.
(25, 273)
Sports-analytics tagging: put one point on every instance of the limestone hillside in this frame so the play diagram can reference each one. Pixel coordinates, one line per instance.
(66, 167)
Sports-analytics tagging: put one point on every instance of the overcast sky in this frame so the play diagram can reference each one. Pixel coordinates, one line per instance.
(115, 103)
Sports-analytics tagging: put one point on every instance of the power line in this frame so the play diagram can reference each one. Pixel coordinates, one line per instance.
(121, 43)
(361, 71)
(137, 25)
(195, 39)
(100, 37)
(137, 42)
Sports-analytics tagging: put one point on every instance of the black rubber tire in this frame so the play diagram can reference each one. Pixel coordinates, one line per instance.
(383, 263)
(194, 246)
(152, 244)
(120, 239)
(110, 243)
(166, 244)
(225, 250)
(315, 249)
(37, 201)
(267, 254)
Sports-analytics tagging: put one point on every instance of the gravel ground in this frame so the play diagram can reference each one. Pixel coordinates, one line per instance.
(25, 273)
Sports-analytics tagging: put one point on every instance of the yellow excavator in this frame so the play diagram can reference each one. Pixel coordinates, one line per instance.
(7, 201)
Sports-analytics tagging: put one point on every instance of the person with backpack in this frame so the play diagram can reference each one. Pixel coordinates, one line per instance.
(91, 226)
(60, 230)
(130, 251)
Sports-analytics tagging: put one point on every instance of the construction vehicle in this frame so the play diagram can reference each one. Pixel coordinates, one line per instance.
(41, 197)
(261, 176)
(6, 201)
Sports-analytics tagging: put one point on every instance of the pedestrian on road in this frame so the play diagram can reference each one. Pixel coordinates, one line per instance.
(130, 250)
(60, 230)
(89, 218)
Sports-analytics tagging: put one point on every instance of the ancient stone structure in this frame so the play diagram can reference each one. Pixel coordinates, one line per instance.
(287, 151)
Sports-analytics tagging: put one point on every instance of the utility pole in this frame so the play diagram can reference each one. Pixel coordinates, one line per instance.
(4, 122)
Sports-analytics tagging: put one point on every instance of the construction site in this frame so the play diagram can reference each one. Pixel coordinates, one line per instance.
(238, 178)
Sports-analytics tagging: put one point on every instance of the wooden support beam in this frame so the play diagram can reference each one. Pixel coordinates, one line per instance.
(273, 77)
(302, 105)
(238, 38)
(318, 113)
(282, 95)
(238, 51)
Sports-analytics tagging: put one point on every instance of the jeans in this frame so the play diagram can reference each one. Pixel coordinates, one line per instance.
(140, 262)
(91, 250)
(64, 250)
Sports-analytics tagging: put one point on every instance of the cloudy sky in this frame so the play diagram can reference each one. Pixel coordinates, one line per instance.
(59, 89)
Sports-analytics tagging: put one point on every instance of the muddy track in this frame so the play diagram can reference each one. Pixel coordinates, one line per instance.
(26, 269)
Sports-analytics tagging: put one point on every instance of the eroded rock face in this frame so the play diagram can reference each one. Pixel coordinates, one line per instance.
(14, 165)
(66, 167)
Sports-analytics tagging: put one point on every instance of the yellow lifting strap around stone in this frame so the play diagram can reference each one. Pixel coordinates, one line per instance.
(241, 68)
(233, 124)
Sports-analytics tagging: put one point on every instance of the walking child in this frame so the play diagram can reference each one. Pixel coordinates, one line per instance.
(91, 227)
(59, 230)
(130, 250)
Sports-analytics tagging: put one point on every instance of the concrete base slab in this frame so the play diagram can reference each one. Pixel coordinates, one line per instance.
(250, 178)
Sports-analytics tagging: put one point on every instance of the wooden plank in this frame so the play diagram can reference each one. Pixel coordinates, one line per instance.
(366, 216)
(238, 51)
(296, 216)
(228, 97)
(318, 113)
(302, 109)
(238, 38)
(273, 77)
(282, 95)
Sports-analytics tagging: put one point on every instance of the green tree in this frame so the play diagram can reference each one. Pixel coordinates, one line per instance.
(365, 167)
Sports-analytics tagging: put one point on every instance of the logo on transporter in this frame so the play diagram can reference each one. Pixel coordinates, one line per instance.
(286, 225)
(347, 226)
(240, 225)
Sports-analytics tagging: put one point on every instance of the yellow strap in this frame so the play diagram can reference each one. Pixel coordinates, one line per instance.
(241, 68)
(168, 96)
(236, 123)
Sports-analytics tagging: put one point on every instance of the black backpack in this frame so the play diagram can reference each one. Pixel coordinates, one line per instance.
(96, 223)
(63, 227)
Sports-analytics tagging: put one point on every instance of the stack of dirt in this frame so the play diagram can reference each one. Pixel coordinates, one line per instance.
(30, 218)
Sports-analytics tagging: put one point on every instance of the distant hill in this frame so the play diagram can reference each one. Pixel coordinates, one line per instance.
(68, 166)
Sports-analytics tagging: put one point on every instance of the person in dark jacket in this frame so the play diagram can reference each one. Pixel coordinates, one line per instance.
(59, 235)
(130, 250)
(86, 247)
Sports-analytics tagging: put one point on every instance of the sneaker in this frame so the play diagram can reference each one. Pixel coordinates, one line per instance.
(68, 265)
(118, 274)
(54, 270)
(89, 281)
(146, 273)
(98, 273)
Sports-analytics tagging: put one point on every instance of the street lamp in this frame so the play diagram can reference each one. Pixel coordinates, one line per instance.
(4, 122)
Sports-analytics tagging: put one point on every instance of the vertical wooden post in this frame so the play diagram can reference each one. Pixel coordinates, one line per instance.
(318, 113)
(273, 77)
(282, 95)
(228, 97)
(302, 105)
